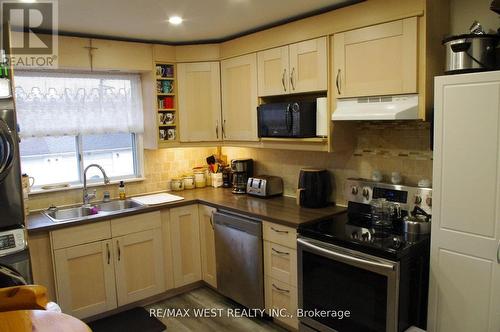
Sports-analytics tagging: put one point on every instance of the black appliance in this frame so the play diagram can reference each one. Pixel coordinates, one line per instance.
(242, 170)
(295, 119)
(345, 263)
(314, 188)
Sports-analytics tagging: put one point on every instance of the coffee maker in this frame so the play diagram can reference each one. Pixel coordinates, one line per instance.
(242, 170)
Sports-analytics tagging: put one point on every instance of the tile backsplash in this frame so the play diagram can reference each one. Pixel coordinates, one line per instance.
(159, 166)
(386, 146)
(402, 146)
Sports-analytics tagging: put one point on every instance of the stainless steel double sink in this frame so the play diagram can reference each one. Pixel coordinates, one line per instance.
(95, 210)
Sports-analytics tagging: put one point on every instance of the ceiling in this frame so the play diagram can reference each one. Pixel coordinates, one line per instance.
(204, 20)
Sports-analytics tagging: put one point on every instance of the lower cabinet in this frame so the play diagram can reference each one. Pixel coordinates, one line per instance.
(280, 270)
(102, 274)
(207, 237)
(185, 236)
(138, 266)
(85, 279)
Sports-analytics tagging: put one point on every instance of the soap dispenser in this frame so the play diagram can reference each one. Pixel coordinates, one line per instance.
(121, 191)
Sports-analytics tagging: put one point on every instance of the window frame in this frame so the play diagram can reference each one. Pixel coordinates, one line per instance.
(138, 157)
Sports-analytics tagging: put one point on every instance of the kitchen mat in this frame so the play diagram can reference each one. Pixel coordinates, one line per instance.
(134, 320)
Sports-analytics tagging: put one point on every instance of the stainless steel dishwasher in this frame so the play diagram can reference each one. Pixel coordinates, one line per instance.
(238, 249)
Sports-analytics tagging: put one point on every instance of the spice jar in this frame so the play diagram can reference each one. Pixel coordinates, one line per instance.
(177, 184)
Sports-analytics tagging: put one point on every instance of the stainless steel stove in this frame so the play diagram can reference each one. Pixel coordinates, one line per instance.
(379, 274)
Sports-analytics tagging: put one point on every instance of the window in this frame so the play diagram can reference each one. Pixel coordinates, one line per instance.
(69, 121)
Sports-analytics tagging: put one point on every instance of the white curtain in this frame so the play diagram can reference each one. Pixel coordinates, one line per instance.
(58, 104)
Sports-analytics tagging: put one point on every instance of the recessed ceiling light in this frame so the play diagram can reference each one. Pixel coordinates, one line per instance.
(175, 20)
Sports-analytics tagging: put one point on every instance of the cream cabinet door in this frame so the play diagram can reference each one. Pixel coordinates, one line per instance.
(123, 56)
(239, 98)
(376, 60)
(464, 293)
(85, 279)
(273, 73)
(308, 66)
(207, 236)
(185, 233)
(279, 296)
(138, 265)
(199, 102)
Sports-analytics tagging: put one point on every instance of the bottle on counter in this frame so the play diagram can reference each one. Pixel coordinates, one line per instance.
(121, 191)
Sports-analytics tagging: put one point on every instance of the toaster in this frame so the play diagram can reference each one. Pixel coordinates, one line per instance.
(265, 186)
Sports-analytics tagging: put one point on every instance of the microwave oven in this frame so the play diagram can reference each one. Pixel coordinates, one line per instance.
(293, 119)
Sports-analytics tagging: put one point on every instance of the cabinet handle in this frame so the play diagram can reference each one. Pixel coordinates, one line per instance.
(283, 79)
(212, 220)
(498, 253)
(337, 82)
(217, 128)
(291, 78)
(223, 130)
(281, 289)
(108, 252)
(119, 251)
(280, 252)
(278, 231)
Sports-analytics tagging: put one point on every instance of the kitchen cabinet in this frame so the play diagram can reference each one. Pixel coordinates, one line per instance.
(138, 266)
(207, 241)
(122, 56)
(464, 292)
(185, 237)
(107, 264)
(297, 68)
(85, 278)
(239, 98)
(199, 102)
(376, 60)
(280, 270)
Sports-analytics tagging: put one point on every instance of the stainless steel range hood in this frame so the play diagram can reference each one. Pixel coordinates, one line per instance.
(401, 107)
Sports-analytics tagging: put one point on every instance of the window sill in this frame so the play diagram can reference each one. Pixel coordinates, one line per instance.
(35, 191)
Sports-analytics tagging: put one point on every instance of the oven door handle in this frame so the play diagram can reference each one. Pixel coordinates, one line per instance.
(344, 257)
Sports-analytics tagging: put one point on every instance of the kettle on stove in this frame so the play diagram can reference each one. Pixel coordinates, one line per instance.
(314, 188)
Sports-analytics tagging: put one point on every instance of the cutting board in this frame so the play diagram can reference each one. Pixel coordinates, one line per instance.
(156, 199)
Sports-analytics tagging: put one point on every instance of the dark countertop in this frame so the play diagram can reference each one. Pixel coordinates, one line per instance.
(282, 210)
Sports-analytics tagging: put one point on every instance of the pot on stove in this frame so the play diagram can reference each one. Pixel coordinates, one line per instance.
(418, 222)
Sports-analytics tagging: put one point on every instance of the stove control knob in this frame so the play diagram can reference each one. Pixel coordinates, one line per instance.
(418, 199)
(396, 243)
(354, 190)
(428, 200)
(354, 235)
(366, 193)
(365, 236)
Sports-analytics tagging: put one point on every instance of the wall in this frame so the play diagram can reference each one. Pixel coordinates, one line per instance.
(159, 166)
(388, 147)
(464, 12)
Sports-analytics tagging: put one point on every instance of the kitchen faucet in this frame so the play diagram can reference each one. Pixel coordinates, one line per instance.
(86, 196)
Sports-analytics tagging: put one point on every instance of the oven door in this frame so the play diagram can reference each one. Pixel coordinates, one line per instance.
(335, 278)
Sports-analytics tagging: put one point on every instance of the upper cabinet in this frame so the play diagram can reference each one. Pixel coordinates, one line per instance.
(239, 98)
(297, 68)
(376, 60)
(199, 102)
(123, 56)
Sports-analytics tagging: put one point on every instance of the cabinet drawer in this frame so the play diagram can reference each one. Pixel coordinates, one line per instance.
(136, 223)
(280, 295)
(73, 236)
(280, 263)
(280, 234)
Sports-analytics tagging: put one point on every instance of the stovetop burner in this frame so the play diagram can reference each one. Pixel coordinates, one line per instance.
(355, 231)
